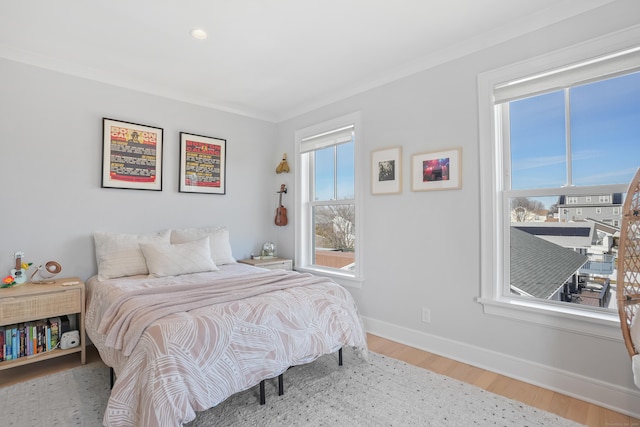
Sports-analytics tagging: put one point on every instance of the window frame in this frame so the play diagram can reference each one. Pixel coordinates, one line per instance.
(303, 241)
(493, 201)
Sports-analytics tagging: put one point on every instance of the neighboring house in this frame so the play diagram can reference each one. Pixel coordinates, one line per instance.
(591, 238)
(540, 268)
(604, 208)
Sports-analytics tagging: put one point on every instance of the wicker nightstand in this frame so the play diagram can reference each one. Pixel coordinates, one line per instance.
(270, 263)
(32, 302)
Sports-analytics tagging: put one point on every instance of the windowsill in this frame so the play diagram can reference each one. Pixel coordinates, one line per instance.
(344, 279)
(593, 323)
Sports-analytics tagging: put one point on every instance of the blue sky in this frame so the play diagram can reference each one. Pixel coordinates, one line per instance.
(605, 135)
(325, 172)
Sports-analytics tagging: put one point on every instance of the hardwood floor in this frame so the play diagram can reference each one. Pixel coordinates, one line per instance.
(564, 406)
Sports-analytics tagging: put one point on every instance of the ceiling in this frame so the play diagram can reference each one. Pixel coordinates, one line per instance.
(268, 59)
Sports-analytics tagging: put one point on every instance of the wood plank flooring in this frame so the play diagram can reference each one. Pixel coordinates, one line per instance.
(559, 404)
(564, 406)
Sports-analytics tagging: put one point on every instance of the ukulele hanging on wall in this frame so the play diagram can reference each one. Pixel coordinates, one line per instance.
(281, 211)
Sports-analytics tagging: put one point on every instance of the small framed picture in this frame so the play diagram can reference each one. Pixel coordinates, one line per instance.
(202, 164)
(131, 155)
(437, 170)
(386, 171)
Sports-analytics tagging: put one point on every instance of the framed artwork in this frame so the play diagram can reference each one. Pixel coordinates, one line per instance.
(202, 164)
(437, 170)
(131, 155)
(386, 171)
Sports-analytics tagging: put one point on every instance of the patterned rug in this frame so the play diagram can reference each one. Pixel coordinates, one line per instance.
(377, 392)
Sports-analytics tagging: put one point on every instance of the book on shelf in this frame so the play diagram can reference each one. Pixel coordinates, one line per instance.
(54, 325)
(23, 340)
(40, 326)
(10, 342)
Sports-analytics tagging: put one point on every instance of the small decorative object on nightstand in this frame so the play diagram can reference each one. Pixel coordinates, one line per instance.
(270, 263)
(268, 250)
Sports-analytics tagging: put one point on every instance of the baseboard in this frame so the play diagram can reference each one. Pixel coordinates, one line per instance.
(607, 395)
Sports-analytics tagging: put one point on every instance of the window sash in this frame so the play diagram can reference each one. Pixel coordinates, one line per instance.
(573, 196)
(332, 132)
(491, 155)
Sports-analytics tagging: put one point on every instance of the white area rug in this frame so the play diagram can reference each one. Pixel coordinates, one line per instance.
(377, 392)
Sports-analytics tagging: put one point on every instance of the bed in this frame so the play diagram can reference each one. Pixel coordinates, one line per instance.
(184, 326)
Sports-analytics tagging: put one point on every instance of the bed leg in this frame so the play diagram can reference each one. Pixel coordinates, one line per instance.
(340, 357)
(262, 397)
(280, 384)
(112, 377)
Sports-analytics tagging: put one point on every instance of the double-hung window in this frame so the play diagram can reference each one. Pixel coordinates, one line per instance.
(558, 143)
(328, 240)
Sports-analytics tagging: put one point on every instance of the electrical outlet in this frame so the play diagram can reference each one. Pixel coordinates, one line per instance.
(426, 315)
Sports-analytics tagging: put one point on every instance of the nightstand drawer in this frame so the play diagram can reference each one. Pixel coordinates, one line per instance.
(270, 263)
(280, 265)
(24, 308)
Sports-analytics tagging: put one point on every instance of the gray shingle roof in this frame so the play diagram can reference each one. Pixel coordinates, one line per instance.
(539, 267)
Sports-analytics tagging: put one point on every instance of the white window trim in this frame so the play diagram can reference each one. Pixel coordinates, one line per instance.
(356, 278)
(492, 231)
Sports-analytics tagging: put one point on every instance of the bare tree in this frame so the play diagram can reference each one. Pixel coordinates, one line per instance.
(335, 224)
(524, 209)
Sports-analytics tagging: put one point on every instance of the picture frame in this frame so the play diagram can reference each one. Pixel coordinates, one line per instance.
(386, 171)
(131, 155)
(437, 170)
(202, 164)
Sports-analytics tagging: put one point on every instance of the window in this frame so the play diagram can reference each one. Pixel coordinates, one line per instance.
(598, 210)
(616, 210)
(554, 131)
(328, 240)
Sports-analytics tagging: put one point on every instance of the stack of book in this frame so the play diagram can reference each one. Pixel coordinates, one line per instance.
(32, 338)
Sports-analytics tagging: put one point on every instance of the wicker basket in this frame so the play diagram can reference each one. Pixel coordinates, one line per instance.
(628, 283)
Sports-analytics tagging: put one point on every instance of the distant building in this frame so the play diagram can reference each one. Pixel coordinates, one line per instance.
(605, 208)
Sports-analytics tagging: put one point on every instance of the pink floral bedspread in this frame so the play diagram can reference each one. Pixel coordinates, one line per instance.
(190, 361)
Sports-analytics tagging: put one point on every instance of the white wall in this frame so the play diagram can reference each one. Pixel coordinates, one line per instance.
(430, 256)
(51, 168)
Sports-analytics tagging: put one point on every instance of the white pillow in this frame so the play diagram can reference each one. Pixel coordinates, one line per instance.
(218, 241)
(119, 254)
(180, 258)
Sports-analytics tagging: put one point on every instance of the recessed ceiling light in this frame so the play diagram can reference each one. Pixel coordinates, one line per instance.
(199, 34)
